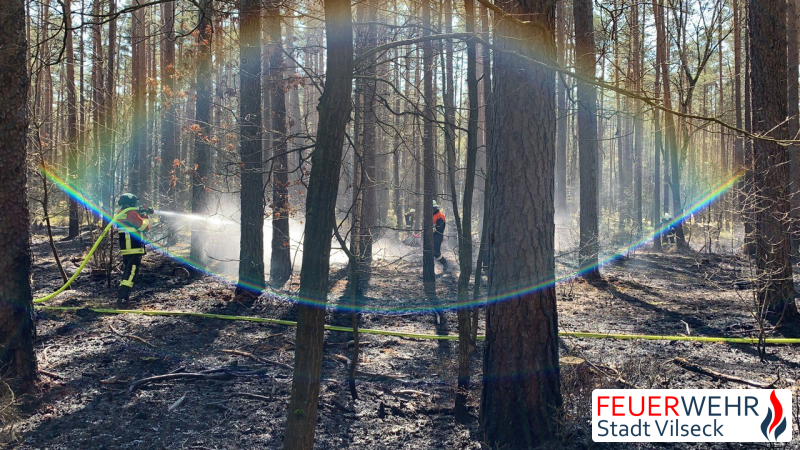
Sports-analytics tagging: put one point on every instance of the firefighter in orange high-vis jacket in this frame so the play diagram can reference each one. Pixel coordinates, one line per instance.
(438, 234)
(131, 242)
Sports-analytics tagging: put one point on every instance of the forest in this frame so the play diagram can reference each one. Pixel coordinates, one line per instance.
(402, 224)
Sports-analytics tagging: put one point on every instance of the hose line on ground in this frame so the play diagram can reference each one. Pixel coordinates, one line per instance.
(447, 337)
(87, 258)
(575, 334)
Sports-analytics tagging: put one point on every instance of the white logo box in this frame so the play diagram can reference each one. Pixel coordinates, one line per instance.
(692, 415)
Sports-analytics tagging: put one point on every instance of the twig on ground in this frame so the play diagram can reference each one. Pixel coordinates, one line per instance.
(253, 396)
(51, 374)
(692, 367)
(410, 392)
(258, 358)
(177, 403)
(371, 375)
(172, 376)
(131, 336)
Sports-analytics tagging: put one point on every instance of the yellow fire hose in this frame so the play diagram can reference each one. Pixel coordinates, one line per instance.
(88, 257)
(267, 320)
(575, 334)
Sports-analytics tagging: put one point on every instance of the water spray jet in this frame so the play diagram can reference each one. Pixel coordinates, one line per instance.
(195, 217)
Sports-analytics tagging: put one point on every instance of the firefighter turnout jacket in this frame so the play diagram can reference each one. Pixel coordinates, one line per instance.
(438, 222)
(131, 229)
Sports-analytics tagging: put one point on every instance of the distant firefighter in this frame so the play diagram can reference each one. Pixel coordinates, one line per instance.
(131, 242)
(409, 217)
(439, 225)
(668, 234)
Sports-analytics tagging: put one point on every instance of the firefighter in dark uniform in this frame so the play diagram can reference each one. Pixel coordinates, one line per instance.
(438, 234)
(131, 242)
(669, 233)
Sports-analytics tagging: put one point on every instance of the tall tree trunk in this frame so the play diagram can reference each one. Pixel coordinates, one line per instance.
(638, 122)
(334, 112)
(201, 129)
(793, 57)
(669, 120)
(251, 249)
(107, 114)
(521, 377)
(747, 191)
(465, 239)
(562, 123)
(768, 43)
(97, 100)
(151, 144)
(587, 137)
(450, 114)
(397, 183)
(72, 120)
(280, 268)
(294, 116)
(138, 150)
(738, 143)
(658, 148)
(428, 161)
(169, 146)
(721, 94)
(483, 251)
(369, 141)
(17, 357)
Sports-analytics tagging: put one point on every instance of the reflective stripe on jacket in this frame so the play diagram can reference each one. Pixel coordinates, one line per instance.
(131, 233)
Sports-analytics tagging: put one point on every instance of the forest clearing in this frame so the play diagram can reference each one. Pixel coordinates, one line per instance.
(405, 224)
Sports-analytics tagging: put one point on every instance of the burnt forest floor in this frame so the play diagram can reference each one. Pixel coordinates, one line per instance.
(84, 398)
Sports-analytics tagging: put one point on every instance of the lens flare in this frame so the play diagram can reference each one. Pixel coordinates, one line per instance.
(536, 285)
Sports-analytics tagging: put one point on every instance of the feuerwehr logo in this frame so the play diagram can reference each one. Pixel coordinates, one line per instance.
(692, 415)
(772, 424)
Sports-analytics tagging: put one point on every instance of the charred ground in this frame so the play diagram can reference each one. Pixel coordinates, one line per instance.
(88, 361)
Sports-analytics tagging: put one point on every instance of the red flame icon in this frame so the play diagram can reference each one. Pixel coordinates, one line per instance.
(772, 422)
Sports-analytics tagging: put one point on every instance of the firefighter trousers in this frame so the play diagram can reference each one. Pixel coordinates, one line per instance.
(437, 248)
(132, 265)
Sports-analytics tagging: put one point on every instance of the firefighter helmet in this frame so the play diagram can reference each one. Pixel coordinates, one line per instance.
(127, 200)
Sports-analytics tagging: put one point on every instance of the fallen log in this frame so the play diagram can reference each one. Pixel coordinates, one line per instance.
(696, 368)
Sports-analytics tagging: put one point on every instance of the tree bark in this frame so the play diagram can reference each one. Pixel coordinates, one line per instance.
(201, 129)
(334, 112)
(793, 57)
(72, 122)
(106, 117)
(465, 238)
(768, 43)
(367, 185)
(747, 184)
(251, 249)
(638, 123)
(138, 161)
(669, 120)
(280, 268)
(169, 150)
(562, 123)
(587, 138)
(658, 146)
(738, 144)
(428, 161)
(17, 332)
(521, 379)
